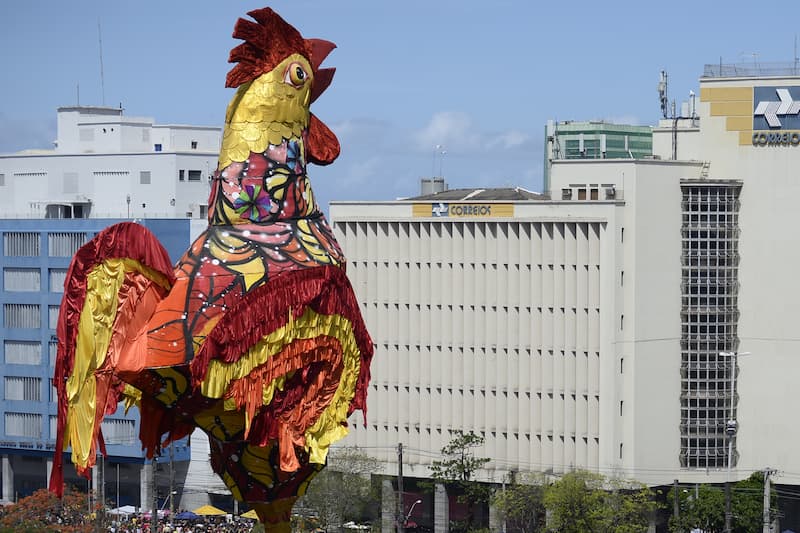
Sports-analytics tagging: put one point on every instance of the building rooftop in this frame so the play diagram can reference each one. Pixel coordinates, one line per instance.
(755, 69)
(482, 195)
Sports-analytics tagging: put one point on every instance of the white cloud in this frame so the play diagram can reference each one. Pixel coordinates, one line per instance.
(510, 139)
(453, 130)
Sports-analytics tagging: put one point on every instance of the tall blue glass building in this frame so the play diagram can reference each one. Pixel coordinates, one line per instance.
(35, 257)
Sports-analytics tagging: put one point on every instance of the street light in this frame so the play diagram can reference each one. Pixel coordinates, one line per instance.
(730, 432)
(405, 521)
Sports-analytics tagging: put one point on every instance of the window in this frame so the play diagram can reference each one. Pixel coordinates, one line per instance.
(181, 175)
(23, 425)
(21, 279)
(195, 175)
(2, 180)
(23, 388)
(65, 244)
(23, 352)
(621, 367)
(53, 348)
(53, 316)
(620, 450)
(58, 276)
(581, 194)
(194, 145)
(144, 177)
(21, 244)
(157, 147)
(21, 316)
(593, 194)
(620, 407)
(119, 431)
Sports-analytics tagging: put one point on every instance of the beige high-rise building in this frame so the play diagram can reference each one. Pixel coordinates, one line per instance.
(639, 319)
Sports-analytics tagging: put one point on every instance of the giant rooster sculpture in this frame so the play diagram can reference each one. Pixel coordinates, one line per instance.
(255, 336)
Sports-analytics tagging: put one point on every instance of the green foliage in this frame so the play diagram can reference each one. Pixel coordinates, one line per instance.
(456, 471)
(458, 464)
(705, 508)
(582, 501)
(521, 504)
(343, 491)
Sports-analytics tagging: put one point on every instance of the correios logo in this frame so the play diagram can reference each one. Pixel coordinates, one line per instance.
(776, 116)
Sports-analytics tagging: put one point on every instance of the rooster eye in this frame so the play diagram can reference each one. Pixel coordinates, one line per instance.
(295, 75)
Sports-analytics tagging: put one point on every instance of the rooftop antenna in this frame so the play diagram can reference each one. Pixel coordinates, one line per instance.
(662, 93)
(102, 77)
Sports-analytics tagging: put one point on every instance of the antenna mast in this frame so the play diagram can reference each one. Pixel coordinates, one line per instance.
(102, 77)
(662, 93)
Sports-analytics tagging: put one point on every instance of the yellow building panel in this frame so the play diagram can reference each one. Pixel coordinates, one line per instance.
(739, 123)
(740, 109)
(481, 210)
(745, 138)
(462, 210)
(421, 210)
(726, 94)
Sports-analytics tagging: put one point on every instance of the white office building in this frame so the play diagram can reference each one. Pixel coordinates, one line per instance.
(603, 326)
(105, 164)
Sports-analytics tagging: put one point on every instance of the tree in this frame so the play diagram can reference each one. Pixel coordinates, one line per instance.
(582, 501)
(343, 491)
(44, 511)
(456, 471)
(521, 504)
(705, 507)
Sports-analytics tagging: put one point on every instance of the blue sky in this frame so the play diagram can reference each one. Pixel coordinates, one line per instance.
(479, 79)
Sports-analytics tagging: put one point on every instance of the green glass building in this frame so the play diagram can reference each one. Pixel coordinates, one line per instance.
(594, 140)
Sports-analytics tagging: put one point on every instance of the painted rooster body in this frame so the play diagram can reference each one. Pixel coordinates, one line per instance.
(255, 336)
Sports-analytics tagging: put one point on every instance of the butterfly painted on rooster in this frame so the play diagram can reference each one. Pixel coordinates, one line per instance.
(255, 336)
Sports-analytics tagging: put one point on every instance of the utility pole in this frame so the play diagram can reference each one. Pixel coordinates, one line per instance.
(154, 512)
(171, 482)
(767, 521)
(676, 504)
(101, 509)
(730, 432)
(400, 513)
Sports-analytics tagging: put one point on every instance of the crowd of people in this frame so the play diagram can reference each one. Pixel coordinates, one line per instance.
(204, 524)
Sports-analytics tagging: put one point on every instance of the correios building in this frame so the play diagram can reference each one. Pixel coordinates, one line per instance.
(639, 319)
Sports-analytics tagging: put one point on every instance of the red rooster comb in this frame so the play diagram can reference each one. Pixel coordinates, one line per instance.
(267, 42)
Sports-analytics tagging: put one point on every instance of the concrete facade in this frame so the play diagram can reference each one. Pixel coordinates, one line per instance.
(598, 328)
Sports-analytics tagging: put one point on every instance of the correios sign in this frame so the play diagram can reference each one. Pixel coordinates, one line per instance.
(776, 116)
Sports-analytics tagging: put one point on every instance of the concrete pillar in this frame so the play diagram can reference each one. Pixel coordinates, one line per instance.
(146, 487)
(496, 522)
(49, 471)
(8, 479)
(388, 506)
(441, 510)
(95, 495)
